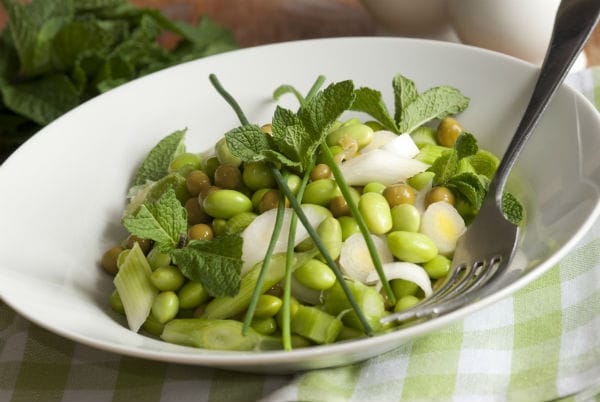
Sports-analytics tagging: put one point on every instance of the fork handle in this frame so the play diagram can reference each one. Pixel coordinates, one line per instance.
(574, 22)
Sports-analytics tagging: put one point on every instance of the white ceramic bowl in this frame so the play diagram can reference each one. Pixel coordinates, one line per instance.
(62, 193)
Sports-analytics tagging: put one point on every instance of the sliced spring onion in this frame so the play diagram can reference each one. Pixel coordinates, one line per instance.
(355, 260)
(316, 325)
(403, 270)
(134, 287)
(382, 166)
(442, 223)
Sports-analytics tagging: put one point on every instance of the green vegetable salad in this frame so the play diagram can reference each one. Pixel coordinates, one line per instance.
(306, 230)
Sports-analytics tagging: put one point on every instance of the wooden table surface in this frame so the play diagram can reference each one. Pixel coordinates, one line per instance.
(256, 22)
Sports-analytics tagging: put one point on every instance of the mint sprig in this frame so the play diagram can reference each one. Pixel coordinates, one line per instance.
(156, 164)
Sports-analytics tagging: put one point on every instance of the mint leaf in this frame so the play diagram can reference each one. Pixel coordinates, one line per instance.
(466, 145)
(248, 143)
(156, 165)
(290, 137)
(444, 167)
(42, 100)
(370, 101)
(319, 114)
(470, 186)
(405, 92)
(437, 102)
(513, 210)
(164, 221)
(215, 263)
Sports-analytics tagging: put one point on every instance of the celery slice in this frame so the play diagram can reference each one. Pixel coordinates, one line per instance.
(316, 325)
(134, 287)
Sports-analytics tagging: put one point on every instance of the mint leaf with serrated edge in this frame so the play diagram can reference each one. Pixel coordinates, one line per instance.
(470, 186)
(289, 136)
(164, 221)
(513, 210)
(215, 263)
(370, 101)
(156, 164)
(405, 92)
(438, 102)
(444, 167)
(248, 143)
(466, 145)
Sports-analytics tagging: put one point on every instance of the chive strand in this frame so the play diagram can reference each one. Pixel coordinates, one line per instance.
(313, 234)
(287, 283)
(265, 265)
(229, 99)
(315, 88)
(339, 178)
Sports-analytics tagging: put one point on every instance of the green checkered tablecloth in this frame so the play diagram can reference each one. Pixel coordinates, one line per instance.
(540, 344)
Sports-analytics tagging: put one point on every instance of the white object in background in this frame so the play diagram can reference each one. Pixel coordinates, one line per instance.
(515, 27)
(418, 18)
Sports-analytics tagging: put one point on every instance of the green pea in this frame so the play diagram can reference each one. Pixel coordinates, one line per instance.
(185, 162)
(376, 212)
(167, 278)
(192, 294)
(257, 196)
(402, 287)
(374, 187)
(225, 203)
(406, 302)
(362, 133)
(411, 246)
(437, 267)
(420, 180)
(224, 154)
(157, 259)
(264, 326)
(116, 303)
(315, 275)
(330, 233)
(165, 306)
(210, 166)
(349, 226)
(321, 192)
(153, 326)
(406, 217)
(267, 306)
(257, 175)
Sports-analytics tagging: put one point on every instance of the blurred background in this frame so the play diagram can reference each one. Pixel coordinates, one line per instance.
(512, 26)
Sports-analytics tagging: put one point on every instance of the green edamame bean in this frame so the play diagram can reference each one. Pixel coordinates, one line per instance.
(315, 275)
(437, 267)
(165, 306)
(226, 203)
(167, 278)
(405, 302)
(191, 295)
(115, 302)
(238, 223)
(349, 226)
(267, 306)
(294, 182)
(406, 217)
(224, 154)
(361, 133)
(210, 166)
(157, 259)
(376, 212)
(374, 187)
(264, 326)
(321, 192)
(257, 175)
(219, 226)
(402, 287)
(153, 326)
(330, 233)
(411, 246)
(185, 162)
(257, 196)
(294, 304)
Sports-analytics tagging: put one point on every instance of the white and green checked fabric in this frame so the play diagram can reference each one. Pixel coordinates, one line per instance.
(541, 344)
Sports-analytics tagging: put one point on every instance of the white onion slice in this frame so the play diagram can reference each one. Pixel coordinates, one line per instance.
(380, 166)
(402, 270)
(257, 235)
(442, 223)
(355, 259)
(402, 145)
(380, 138)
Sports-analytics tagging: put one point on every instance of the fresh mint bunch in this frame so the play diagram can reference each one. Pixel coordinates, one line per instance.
(55, 54)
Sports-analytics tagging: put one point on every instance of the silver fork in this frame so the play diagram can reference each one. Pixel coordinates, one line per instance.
(486, 249)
